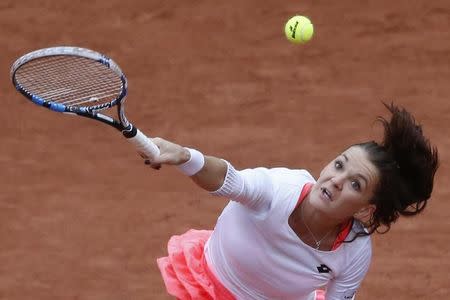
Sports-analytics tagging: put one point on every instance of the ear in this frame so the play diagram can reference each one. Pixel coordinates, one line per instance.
(365, 214)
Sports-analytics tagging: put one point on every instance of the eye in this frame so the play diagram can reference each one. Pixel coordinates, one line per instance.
(338, 164)
(356, 185)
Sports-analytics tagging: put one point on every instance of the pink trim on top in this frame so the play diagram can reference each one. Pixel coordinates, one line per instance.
(342, 234)
(345, 228)
(305, 191)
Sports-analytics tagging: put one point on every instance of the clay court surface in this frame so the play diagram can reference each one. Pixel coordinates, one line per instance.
(81, 217)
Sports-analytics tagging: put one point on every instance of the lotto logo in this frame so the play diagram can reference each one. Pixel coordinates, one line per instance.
(323, 269)
(349, 295)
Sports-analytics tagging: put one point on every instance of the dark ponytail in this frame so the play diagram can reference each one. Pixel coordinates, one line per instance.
(407, 163)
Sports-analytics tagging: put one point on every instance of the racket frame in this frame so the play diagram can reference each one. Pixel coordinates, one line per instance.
(146, 148)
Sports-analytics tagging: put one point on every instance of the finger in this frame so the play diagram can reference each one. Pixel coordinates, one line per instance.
(164, 158)
(155, 166)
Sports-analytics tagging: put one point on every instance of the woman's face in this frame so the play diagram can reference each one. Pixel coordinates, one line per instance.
(345, 185)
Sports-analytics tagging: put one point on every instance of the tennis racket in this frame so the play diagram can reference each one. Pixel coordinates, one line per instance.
(80, 82)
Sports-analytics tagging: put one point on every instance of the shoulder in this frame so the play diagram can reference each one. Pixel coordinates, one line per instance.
(361, 247)
(281, 175)
(353, 260)
(290, 182)
(285, 184)
(291, 176)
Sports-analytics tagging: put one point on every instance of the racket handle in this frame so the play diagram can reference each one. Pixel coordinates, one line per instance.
(144, 146)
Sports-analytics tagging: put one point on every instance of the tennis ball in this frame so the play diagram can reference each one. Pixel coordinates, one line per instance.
(299, 29)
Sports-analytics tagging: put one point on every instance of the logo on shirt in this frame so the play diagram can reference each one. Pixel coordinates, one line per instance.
(324, 269)
(350, 295)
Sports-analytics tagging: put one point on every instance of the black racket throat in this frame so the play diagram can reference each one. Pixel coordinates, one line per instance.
(127, 129)
(103, 118)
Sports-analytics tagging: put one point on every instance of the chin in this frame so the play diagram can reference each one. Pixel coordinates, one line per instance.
(316, 201)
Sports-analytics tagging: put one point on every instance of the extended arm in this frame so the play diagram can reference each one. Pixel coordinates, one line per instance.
(210, 176)
(252, 187)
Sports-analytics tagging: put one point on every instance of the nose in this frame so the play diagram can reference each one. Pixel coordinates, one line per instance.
(338, 181)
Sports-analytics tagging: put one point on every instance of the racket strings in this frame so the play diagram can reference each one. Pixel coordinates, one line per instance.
(63, 82)
(70, 80)
(68, 73)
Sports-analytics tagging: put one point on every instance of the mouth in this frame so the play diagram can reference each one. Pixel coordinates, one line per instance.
(327, 194)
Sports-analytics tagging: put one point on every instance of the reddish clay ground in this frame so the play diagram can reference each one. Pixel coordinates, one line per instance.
(82, 217)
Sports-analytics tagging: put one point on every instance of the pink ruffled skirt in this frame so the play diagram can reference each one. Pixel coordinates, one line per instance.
(186, 273)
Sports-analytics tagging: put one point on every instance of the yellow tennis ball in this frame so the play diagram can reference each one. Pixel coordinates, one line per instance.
(299, 29)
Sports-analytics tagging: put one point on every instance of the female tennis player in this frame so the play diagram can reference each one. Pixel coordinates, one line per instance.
(286, 235)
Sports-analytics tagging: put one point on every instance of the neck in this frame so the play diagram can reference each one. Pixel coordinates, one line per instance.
(319, 223)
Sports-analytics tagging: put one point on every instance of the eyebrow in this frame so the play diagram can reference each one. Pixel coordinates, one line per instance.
(359, 174)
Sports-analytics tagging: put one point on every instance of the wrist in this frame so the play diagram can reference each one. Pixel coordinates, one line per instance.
(194, 164)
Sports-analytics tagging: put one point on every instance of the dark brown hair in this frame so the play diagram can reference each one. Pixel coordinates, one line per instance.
(407, 163)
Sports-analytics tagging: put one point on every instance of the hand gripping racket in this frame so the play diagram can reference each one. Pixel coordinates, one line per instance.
(81, 82)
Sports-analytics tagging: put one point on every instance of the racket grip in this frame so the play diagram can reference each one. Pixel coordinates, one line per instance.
(144, 146)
